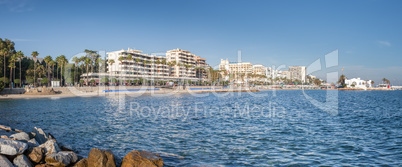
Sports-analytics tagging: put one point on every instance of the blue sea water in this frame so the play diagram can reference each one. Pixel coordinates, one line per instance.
(269, 128)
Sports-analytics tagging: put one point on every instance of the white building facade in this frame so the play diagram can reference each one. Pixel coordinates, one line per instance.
(358, 83)
(297, 73)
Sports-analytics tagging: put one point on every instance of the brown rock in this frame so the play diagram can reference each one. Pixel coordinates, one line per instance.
(142, 159)
(36, 154)
(43, 165)
(4, 137)
(101, 158)
(82, 163)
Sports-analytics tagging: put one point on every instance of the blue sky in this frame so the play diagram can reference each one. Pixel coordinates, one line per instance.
(366, 33)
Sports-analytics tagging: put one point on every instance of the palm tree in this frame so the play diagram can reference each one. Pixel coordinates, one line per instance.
(144, 63)
(130, 58)
(87, 62)
(62, 60)
(111, 62)
(76, 60)
(47, 60)
(372, 83)
(20, 55)
(34, 54)
(137, 60)
(52, 63)
(12, 60)
(92, 55)
(7, 48)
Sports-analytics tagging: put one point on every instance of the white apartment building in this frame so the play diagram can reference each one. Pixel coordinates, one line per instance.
(259, 69)
(182, 58)
(151, 67)
(141, 65)
(202, 67)
(245, 68)
(236, 68)
(298, 72)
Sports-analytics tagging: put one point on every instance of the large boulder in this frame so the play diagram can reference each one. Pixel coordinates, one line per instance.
(40, 136)
(22, 136)
(101, 158)
(142, 159)
(22, 161)
(82, 163)
(43, 165)
(36, 154)
(50, 147)
(4, 162)
(32, 143)
(61, 159)
(12, 147)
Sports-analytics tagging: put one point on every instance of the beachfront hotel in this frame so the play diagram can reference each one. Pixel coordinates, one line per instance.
(297, 73)
(244, 68)
(133, 64)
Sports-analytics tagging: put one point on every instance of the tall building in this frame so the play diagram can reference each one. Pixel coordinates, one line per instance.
(151, 67)
(182, 58)
(259, 69)
(243, 70)
(236, 68)
(297, 73)
(201, 67)
(141, 65)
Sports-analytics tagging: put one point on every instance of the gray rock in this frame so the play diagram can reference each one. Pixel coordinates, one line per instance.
(7, 133)
(22, 161)
(31, 135)
(7, 128)
(4, 162)
(12, 147)
(62, 158)
(40, 136)
(32, 143)
(50, 147)
(22, 136)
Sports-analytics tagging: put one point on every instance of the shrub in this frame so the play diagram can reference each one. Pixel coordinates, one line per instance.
(44, 81)
(104, 80)
(7, 81)
(17, 81)
(2, 85)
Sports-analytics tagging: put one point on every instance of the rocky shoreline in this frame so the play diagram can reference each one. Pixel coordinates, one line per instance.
(40, 149)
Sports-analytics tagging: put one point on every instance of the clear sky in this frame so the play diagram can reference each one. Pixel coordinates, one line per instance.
(366, 33)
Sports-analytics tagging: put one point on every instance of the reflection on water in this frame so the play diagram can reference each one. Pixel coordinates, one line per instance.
(285, 129)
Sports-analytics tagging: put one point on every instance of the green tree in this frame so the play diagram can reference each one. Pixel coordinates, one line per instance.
(104, 80)
(17, 81)
(114, 80)
(317, 82)
(44, 81)
(47, 60)
(62, 61)
(6, 49)
(92, 82)
(30, 80)
(2, 85)
(111, 62)
(20, 55)
(34, 54)
(87, 63)
(76, 60)
(5, 80)
(11, 65)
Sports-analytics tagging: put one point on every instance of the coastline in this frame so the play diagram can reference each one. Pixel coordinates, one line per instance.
(66, 92)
